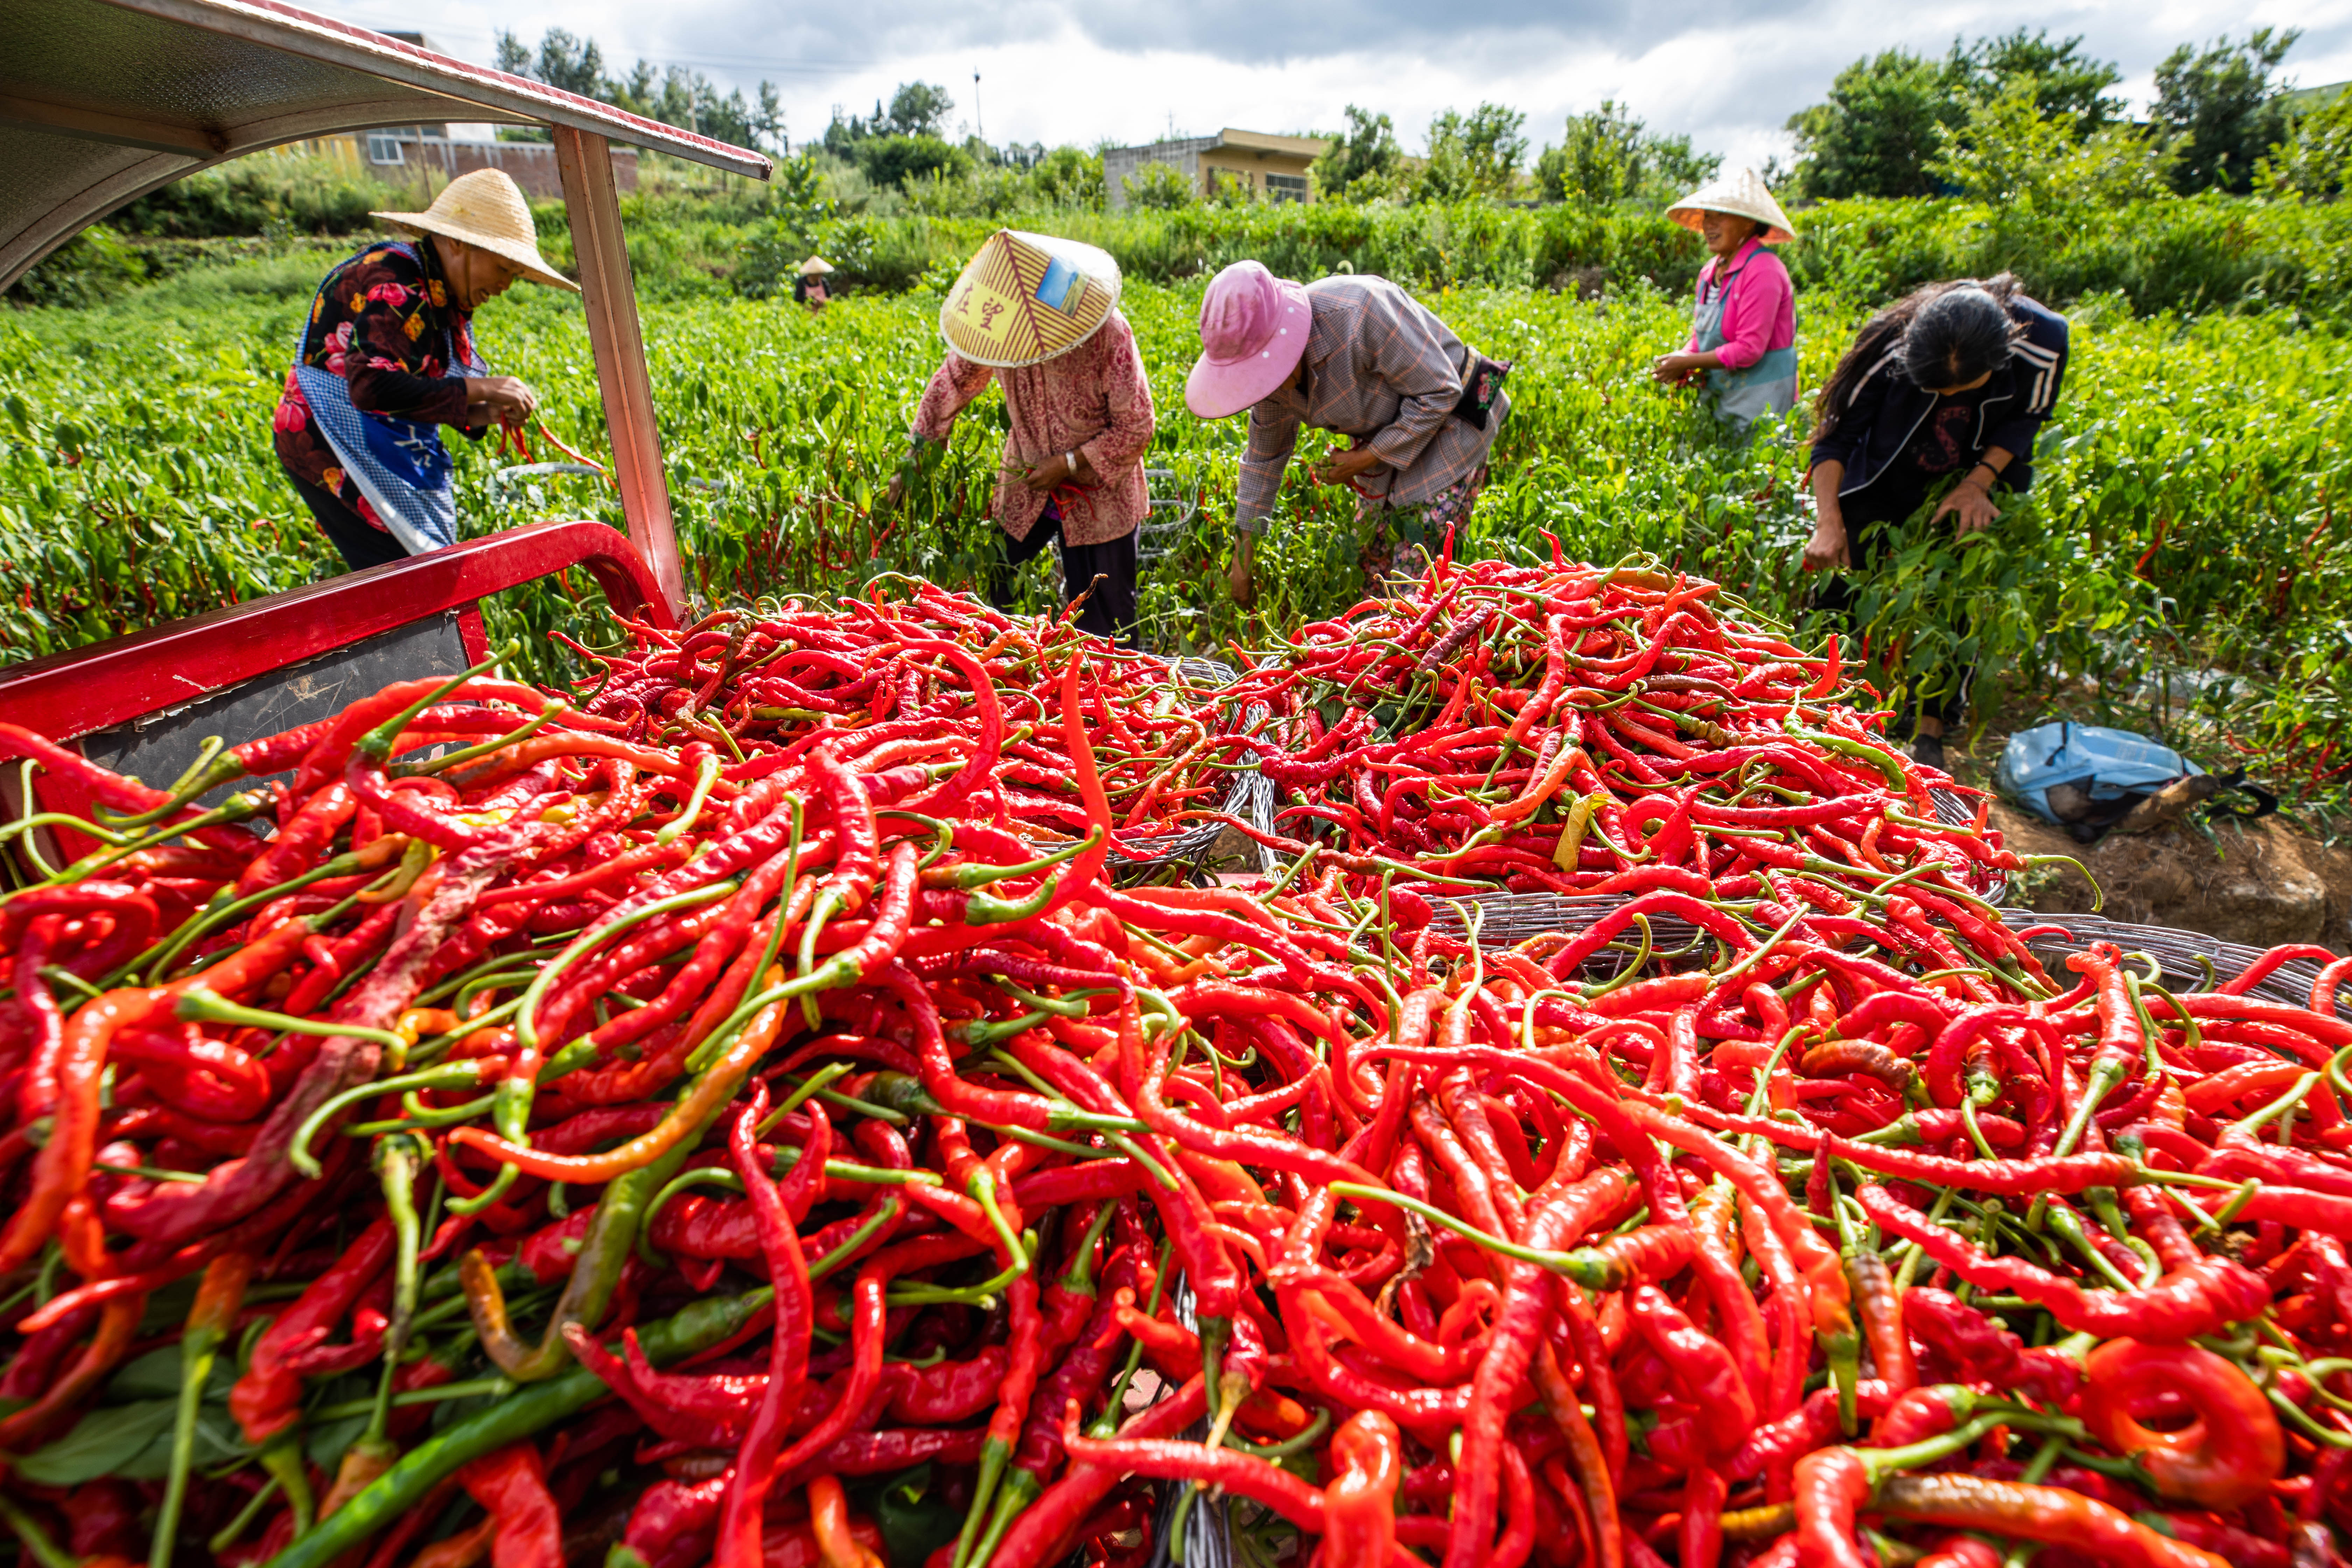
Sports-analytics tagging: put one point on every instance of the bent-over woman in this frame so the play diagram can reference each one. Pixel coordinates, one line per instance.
(387, 358)
(1955, 379)
(1039, 316)
(1359, 356)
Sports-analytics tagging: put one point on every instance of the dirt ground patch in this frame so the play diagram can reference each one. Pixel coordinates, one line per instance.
(2263, 885)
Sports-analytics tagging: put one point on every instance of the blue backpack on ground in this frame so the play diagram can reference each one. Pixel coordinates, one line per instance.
(2107, 765)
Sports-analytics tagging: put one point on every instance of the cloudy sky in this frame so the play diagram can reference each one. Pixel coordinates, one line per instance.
(1137, 69)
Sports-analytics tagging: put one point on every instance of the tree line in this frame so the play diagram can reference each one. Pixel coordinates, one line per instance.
(1989, 117)
(673, 95)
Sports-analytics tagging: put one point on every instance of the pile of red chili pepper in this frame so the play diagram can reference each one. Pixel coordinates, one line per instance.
(1573, 729)
(559, 1142)
(903, 671)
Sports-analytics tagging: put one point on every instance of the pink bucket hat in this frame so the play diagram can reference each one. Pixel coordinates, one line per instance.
(1254, 330)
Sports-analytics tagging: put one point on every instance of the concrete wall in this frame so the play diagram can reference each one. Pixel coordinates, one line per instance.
(433, 162)
(1121, 164)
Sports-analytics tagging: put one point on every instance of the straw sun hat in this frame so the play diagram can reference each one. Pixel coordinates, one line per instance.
(1028, 298)
(815, 267)
(1741, 194)
(485, 209)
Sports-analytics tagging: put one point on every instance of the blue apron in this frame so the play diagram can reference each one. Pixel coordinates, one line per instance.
(1769, 385)
(400, 466)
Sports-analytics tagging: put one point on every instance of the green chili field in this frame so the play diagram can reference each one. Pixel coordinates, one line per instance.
(2179, 566)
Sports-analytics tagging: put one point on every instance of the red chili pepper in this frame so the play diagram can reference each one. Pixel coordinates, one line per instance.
(2039, 1513)
(2197, 1300)
(511, 1485)
(2224, 1459)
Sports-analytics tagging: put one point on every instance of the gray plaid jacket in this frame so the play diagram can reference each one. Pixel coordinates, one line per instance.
(1382, 368)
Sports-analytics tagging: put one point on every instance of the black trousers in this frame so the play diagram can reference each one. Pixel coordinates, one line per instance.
(1110, 611)
(1939, 690)
(363, 544)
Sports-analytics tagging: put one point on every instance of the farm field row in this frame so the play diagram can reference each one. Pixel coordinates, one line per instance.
(2183, 523)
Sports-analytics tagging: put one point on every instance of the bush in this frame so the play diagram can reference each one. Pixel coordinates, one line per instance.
(90, 269)
(2193, 254)
(1160, 187)
(273, 193)
(901, 160)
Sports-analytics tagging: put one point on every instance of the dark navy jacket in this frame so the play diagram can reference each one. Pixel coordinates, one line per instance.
(1886, 408)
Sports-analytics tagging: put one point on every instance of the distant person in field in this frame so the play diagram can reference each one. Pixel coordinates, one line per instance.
(1743, 337)
(1946, 387)
(808, 286)
(1361, 357)
(1039, 316)
(387, 358)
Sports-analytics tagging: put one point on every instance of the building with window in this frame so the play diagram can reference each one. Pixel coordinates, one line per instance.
(1266, 167)
(430, 156)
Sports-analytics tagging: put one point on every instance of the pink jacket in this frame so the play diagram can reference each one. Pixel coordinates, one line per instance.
(1759, 310)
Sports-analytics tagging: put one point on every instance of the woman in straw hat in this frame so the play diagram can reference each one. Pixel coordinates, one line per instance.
(387, 357)
(1744, 327)
(1038, 315)
(808, 286)
(1361, 356)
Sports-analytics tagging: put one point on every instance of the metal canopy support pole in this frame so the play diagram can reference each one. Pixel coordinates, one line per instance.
(593, 206)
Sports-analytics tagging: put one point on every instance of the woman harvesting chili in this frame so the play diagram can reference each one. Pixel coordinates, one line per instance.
(1039, 316)
(1956, 378)
(1362, 357)
(1744, 326)
(388, 359)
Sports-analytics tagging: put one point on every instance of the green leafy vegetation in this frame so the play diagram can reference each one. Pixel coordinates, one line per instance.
(2177, 566)
(2181, 548)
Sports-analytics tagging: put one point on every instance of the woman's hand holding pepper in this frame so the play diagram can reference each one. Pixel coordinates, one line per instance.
(1827, 551)
(1341, 467)
(1677, 368)
(1238, 580)
(508, 399)
(1061, 468)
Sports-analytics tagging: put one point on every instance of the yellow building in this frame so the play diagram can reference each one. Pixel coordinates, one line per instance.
(1267, 167)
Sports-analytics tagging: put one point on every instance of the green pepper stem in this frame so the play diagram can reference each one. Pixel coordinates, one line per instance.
(969, 877)
(377, 743)
(706, 775)
(449, 760)
(197, 1005)
(456, 1075)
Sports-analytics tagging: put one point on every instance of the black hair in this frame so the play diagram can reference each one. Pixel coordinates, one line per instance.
(1949, 333)
(1958, 336)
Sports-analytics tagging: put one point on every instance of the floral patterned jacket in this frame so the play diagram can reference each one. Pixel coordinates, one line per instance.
(1095, 401)
(382, 322)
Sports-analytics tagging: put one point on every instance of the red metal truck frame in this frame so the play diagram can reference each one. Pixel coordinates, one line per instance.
(70, 694)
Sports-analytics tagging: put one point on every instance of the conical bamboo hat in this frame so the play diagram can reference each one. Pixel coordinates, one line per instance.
(1028, 298)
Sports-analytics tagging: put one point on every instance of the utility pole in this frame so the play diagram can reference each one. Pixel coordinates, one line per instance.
(978, 129)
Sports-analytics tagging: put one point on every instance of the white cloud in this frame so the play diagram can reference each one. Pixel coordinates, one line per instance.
(1133, 70)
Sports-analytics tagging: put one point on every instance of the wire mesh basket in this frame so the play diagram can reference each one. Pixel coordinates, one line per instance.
(1250, 797)
(1169, 518)
(1208, 1523)
(1506, 920)
(2191, 961)
(1953, 810)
